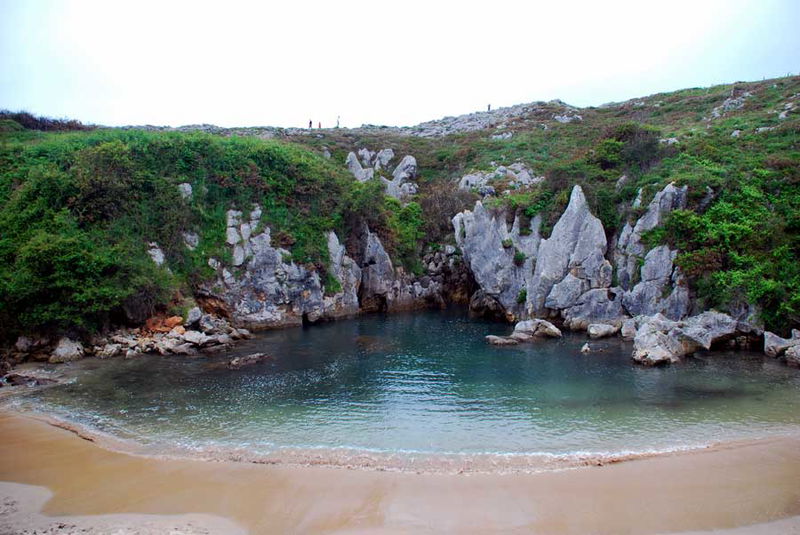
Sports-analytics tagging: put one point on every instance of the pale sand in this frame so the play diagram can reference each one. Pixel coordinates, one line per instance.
(20, 507)
(753, 484)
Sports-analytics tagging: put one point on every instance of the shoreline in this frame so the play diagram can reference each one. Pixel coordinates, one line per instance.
(400, 461)
(752, 484)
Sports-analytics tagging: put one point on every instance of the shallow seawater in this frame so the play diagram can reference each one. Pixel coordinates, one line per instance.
(426, 383)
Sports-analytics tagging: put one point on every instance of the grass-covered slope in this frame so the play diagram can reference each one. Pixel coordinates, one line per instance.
(77, 211)
(741, 244)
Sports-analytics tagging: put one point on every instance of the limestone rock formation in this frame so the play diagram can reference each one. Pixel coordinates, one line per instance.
(501, 260)
(662, 341)
(662, 288)
(629, 248)
(515, 176)
(601, 305)
(400, 186)
(571, 261)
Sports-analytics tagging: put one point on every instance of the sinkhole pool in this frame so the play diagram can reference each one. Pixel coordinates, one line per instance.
(396, 390)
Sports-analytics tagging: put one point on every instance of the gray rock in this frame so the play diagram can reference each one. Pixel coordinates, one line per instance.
(653, 345)
(185, 189)
(360, 174)
(628, 330)
(237, 363)
(662, 288)
(246, 231)
(345, 302)
(109, 351)
(577, 245)
(193, 316)
(212, 325)
(184, 349)
(482, 238)
(538, 327)
(191, 240)
(405, 170)
(775, 346)
(383, 158)
(585, 348)
(662, 341)
(238, 255)
(602, 330)
(366, 157)
(156, 253)
(195, 338)
(501, 340)
(629, 249)
(67, 350)
(232, 236)
(601, 305)
(233, 218)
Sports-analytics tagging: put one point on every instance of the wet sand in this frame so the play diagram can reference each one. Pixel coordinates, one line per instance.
(747, 484)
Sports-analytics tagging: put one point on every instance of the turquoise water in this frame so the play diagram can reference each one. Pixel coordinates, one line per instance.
(426, 383)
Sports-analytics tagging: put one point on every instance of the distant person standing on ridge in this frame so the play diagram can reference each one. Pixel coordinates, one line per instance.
(488, 107)
(310, 124)
(319, 125)
(337, 121)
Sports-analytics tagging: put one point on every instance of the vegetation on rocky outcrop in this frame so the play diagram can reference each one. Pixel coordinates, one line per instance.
(79, 211)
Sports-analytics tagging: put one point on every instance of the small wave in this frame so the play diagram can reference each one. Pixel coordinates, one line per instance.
(400, 460)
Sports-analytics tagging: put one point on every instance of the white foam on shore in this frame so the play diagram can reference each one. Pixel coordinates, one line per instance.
(400, 460)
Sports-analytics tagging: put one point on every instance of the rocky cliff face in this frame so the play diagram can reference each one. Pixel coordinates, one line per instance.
(569, 274)
(501, 260)
(264, 288)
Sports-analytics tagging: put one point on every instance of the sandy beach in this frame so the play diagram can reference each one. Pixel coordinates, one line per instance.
(737, 489)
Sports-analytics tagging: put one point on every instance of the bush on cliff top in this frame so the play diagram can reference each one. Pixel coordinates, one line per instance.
(78, 209)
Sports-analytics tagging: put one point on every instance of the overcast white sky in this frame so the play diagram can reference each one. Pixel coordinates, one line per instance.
(282, 63)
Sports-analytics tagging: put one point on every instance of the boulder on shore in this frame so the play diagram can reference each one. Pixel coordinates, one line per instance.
(67, 350)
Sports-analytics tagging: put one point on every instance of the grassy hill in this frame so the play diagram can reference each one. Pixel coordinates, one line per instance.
(78, 207)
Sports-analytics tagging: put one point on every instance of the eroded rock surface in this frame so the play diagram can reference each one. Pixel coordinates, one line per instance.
(571, 261)
(501, 259)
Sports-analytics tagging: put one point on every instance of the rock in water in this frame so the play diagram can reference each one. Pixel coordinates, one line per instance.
(538, 327)
(662, 341)
(601, 330)
(775, 346)
(501, 340)
(526, 331)
(248, 360)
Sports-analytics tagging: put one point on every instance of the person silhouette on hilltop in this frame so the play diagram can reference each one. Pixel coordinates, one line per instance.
(310, 124)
